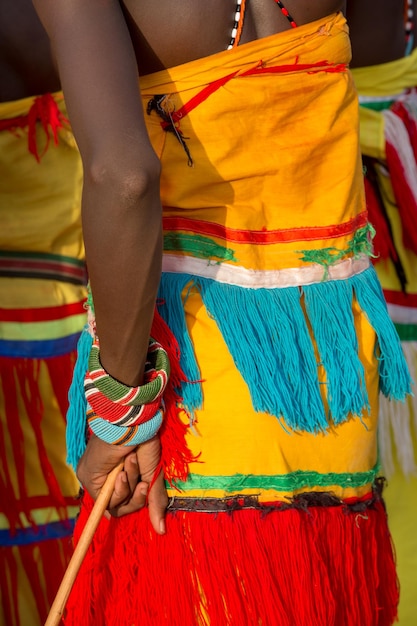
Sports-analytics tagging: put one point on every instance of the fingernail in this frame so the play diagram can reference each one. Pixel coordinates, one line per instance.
(162, 528)
(133, 459)
(144, 491)
(124, 478)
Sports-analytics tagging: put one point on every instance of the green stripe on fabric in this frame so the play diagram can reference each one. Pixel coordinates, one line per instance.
(197, 246)
(288, 482)
(406, 332)
(39, 331)
(41, 256)
(361, 243)
(382, 105)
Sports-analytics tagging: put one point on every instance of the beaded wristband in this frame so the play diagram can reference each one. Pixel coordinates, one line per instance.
(122, 394)
(124, 436)
(118, 414)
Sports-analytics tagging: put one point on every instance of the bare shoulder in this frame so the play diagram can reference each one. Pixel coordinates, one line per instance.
(167, 33)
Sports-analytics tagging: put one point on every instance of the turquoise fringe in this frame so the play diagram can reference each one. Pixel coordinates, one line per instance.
(329, 310)
(267, 333)
(395, 380)
(171, 309)
(76, 416)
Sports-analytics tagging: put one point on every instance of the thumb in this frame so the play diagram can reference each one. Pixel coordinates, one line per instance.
(157, 504)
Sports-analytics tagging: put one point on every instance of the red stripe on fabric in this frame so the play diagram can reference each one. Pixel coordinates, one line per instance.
(14, 122)
(46, 266)
(320, 66)
(404, 197)
(400, 298)
(261, 237)
(36, 503)
(199, 98)
(42, 314)
(9, 586)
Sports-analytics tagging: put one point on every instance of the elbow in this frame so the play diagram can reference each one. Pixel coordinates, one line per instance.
(124, 183)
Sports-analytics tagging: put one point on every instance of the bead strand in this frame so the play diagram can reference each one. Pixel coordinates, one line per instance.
(286, 13)
(409, 23)
(237, 24)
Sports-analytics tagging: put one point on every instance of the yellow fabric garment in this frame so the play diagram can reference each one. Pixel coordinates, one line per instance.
(41, 316)
(248, 194)
(381, 81)
(279, 183)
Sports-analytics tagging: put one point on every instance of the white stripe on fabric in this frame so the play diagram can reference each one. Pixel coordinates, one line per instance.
(264, 279)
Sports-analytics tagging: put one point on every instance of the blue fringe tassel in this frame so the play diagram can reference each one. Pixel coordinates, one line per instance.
(76, 416)
(329, 310)
(268, 333)
(395, 380)
(172, 312)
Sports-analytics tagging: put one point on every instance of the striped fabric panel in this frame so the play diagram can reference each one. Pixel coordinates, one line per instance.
(42, 265)
(264, 237)
(42, 332)
(39, 349)
(31, 535)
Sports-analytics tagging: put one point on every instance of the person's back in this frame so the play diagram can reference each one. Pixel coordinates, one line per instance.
(379, 30)
(245, 159)
(166, 34)
(42, 290)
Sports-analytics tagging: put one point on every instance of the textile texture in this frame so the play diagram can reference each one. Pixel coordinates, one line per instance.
(42, 293)
(286, 343)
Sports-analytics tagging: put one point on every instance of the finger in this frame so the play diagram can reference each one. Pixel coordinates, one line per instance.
(136, 502)
(131, 468)
(157, 503)
(121, 492)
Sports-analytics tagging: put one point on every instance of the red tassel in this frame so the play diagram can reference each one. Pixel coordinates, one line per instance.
(175, 453)
(60, 370)
(44, 110)
(324, 565)
(20, 378)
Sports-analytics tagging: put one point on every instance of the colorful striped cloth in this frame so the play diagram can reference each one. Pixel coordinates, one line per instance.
(42, 295)
(388, 92)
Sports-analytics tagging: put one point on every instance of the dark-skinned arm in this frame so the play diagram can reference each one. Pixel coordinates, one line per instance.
(121, 214)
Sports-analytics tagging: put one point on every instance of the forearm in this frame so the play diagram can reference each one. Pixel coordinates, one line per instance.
(124, 249)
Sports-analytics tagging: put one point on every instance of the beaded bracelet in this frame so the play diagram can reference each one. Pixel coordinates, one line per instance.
(124, 436)
(157, 360)
(119, 415)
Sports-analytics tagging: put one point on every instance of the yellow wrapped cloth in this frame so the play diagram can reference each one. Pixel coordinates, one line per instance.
(285, 341)
(42, 293)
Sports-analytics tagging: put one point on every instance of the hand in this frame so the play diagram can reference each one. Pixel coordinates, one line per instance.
(132, 483)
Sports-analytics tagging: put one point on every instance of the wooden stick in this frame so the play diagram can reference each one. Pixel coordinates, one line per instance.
(100, 505)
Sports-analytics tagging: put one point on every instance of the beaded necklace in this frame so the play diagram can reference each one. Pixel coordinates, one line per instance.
(239, 17)
(409, 25)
